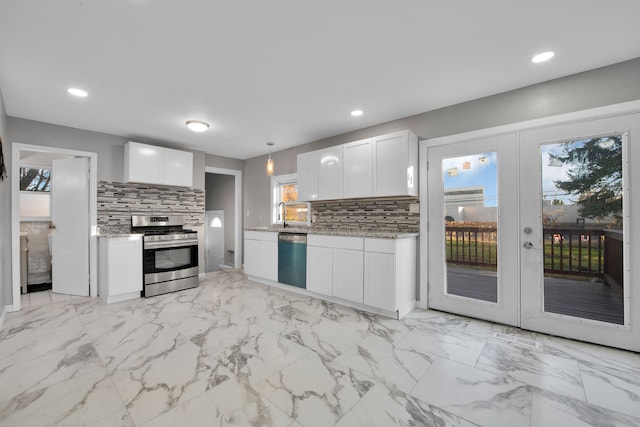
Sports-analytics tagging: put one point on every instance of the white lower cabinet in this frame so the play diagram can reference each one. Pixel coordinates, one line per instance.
(261, 254)
(372, 273)
(120, 268)
(380, 279)
(319, 269)
(390, 274)
(334, 266)
(378, 273)
(348, 274)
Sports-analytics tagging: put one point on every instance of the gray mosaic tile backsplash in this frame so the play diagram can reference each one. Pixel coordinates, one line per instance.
(118, 201)
(380, 214)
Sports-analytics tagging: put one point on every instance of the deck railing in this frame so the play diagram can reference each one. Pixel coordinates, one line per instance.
(613, 260)
(576, 252)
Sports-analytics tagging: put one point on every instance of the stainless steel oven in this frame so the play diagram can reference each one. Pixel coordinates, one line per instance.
(170, 254)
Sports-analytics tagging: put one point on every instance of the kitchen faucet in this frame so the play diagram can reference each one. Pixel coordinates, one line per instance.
(284, 216)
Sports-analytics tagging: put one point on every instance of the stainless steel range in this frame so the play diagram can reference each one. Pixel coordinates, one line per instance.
(170, 253)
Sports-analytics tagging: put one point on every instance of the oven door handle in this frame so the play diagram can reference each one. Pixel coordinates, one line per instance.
(170, 244)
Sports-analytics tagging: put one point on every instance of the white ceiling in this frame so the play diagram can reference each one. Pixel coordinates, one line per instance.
(287, 71)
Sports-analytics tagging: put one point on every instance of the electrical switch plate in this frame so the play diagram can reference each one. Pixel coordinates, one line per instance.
(414, 208)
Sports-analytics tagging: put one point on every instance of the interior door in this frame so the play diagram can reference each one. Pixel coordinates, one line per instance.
(214, 244)
(70, 218)
(576, 208)
(472, 210)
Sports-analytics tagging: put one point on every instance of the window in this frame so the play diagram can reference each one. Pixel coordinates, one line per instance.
(35, 179)
(284, 189)
(35, 192)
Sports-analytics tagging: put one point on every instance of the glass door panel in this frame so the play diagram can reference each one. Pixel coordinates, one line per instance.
(582, 211)
(470, 188)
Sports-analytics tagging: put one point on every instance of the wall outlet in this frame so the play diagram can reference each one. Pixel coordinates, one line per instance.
(313, 219)
(414, 208)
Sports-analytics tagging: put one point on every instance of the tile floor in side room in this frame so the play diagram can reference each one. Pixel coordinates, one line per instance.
(235, 352)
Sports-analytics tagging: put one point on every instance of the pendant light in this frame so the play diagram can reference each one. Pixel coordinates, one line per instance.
(270, 161)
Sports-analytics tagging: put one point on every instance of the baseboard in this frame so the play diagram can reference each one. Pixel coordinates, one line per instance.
(3, 314)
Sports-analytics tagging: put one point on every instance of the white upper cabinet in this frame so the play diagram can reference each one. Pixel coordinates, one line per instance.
(358, 169)
(330, 174)
(308, 166)
(382, 166)
(178, 167)
(142, 163)
(157, 165)
(395, 164)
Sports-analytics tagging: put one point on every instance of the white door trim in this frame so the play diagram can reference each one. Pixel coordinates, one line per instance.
(624, 108)
(16, 147)
(237, 174)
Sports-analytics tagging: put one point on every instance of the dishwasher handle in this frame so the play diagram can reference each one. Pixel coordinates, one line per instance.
(292, 237)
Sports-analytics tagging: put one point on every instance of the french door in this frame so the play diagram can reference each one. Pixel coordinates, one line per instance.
(534, 229)
(472, 195)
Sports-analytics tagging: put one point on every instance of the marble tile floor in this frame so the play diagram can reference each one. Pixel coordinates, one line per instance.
(234, 352)
(35, 299)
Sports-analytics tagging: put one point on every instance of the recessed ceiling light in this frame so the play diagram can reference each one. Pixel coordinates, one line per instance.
(77, 92)
(197, 125)
(357, 113)
(542, 57)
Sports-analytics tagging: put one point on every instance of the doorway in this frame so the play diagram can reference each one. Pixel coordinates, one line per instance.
(532, 228)
(214, 241)
(223, 191)
(73, 173)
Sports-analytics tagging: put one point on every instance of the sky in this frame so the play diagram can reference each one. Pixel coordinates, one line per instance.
(480, 171)
(552, 171)
(471, 171)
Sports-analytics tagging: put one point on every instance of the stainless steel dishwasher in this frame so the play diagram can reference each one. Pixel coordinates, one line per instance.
(292, 259)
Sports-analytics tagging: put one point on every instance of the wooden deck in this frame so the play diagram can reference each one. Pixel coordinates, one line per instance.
(582, 299)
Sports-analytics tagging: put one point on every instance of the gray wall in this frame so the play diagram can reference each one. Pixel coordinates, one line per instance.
(5, 217)
(604, 86)
(220, 195)
(223, 162)
(110, 150)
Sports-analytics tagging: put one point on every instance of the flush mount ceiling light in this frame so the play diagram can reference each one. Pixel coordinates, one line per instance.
(77, 92)
(197, 125)
(543, 57)
(357, 113)
(270, 166)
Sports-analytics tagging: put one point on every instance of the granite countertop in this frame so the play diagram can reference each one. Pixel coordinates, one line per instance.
(115, 235)
(340, 232)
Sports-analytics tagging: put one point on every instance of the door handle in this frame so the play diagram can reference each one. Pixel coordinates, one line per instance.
(527, 245)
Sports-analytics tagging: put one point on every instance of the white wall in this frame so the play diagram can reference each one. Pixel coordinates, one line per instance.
(5, 216)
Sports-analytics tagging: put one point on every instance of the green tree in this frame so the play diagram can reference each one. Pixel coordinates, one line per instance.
(594, 176)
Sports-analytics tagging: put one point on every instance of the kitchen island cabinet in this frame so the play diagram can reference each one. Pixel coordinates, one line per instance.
(120, 267)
